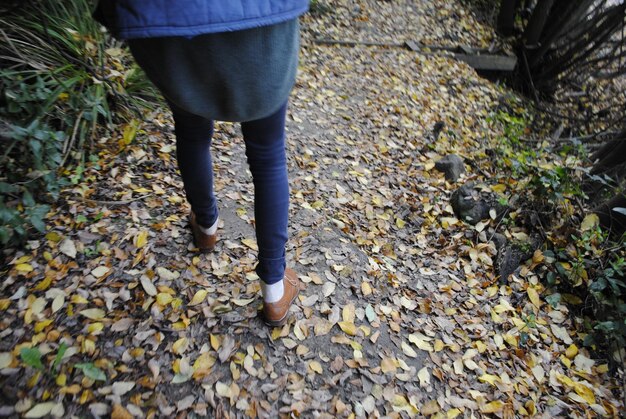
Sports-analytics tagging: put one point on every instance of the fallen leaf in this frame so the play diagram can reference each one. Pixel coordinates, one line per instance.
(316, 367)
(148, 286)
(93, 313)
(100, 271)
(198, 297)
(348, 328)
(119, 388)
(408, 351)
(424, 377)
(68, 248)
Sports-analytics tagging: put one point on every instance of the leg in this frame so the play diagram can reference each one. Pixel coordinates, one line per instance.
(265, 149)
(193, 143)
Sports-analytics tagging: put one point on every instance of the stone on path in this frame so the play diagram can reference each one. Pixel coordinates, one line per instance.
(452, 166)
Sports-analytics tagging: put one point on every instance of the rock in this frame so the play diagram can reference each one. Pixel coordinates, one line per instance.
(471, 205)
(499, 240)
(451, 166)
(511, 255)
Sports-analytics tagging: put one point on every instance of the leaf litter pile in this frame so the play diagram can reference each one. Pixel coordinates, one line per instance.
(112, 314)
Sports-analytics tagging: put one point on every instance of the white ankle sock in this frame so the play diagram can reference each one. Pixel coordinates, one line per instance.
(272, 292)
(211, 230)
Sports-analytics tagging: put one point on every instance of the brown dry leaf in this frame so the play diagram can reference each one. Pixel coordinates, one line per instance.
(119, 412)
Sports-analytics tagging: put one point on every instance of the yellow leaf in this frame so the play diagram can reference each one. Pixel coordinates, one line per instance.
(489, 378)
(584, 392)
(95, 328)
(564, 379)
(130, 131)
(61, 380)
(53, 236)
(216, 341)
(566, 361)
(203, 364)
(88, 346)
(251, 243)
(348, 328)
(198, 297)
(4, 303)
(448, 221)
(24, 268)
(400, 223)
(92, 313)
(492, 407)
(164, 298)
(44, 284)
(499, 188)
(78, 299)
(479, 345)
(534, 296)
(453, 413)
(179, 326)
(179, 346)
(510, 339)
(176, 302)
(589, 222)
(602, 369)
(39, 326)
(571, 351)
(141, 239)
(348, 313)
(316, 367)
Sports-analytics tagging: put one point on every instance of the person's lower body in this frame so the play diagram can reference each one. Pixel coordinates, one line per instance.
(265, 150)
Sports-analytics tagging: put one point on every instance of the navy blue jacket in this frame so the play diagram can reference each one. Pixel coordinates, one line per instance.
(128, 19)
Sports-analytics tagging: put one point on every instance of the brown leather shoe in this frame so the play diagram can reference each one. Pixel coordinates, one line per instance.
(204, 242)
(275, 314)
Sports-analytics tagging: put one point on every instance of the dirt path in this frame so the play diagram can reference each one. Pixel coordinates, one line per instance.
(397, 319)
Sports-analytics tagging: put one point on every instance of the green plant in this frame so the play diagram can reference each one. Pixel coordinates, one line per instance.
(91, 371)
(63, 81)
(32, 358)
(583, 262)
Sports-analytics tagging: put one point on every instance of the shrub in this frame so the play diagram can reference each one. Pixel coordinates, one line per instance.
(583, 262)
(61, 78)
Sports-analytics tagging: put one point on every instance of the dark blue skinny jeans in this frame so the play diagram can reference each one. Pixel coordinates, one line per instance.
(265, 150)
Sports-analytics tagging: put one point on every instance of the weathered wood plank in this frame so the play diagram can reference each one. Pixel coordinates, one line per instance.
(489, 62)
(478, 59)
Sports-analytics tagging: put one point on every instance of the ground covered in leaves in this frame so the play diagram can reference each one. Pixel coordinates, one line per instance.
(113, 314)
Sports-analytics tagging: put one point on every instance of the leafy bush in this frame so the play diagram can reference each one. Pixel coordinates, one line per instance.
(62, 81)
(583, 263)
